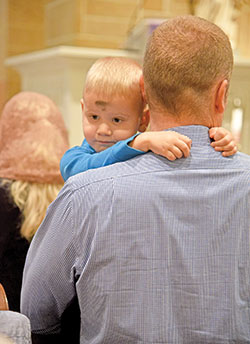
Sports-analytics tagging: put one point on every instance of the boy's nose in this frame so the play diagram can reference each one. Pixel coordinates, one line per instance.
(104, 129)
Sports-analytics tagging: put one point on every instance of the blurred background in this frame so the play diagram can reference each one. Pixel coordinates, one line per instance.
(48, 45)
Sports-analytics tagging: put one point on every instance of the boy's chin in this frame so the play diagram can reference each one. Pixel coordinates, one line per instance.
(102, 146)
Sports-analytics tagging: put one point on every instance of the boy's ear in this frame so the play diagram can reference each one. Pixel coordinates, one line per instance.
(144, 121)
(82, 104)
(221, 96)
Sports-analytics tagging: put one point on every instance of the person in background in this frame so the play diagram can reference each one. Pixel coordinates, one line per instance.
(14, 328)
(155, 251)
(33, 138)
(110, 127)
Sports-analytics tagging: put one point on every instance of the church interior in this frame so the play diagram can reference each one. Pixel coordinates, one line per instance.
(48, 46)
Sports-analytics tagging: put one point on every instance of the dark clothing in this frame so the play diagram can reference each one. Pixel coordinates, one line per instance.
(13, 248)
(70, 328)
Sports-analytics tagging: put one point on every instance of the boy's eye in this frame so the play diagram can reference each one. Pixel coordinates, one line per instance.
(117, 120)
(94, 117)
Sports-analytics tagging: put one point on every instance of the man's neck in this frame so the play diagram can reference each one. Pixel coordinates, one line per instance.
(159, 121)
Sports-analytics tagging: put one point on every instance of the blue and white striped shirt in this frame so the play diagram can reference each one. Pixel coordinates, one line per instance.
(156, 251)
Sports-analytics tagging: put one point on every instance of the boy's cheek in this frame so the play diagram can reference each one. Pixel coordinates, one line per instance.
(88, 133)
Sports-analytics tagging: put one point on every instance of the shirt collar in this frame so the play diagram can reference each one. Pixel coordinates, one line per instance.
(197, 133)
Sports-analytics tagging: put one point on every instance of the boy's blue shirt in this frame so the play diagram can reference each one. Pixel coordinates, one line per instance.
(82, 158)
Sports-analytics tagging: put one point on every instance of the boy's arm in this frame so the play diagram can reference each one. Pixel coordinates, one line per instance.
(82, 158)
(223, 141)
(169, 144)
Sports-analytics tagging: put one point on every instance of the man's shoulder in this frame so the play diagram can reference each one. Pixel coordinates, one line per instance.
(108, 173)
(149, 163)
(243, 159)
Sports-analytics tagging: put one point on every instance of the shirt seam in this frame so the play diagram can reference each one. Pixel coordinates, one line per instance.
(153, 171)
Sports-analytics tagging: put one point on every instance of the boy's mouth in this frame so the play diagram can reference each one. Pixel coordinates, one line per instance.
(106, 142)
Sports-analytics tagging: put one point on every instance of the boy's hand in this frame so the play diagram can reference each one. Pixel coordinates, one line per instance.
(223, 141)
(169, 144)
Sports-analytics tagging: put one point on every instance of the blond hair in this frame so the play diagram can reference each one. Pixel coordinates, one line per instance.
(4, 339)
(112, 76)
(33, 200)
(33, 138)
(184, 57)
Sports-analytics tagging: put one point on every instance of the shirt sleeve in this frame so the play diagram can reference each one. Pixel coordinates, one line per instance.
(50, 270)
(82, 158)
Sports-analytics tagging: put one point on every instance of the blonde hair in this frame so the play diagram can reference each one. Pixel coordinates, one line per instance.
(112, 76)
(33, 139)
(4, 339)
(33, 200)
(184, 57)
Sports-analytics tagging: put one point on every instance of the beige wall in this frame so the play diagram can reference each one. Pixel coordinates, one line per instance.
(102, 23)
(3, 41)
(244, 31)
(22, 30)
(28, 25)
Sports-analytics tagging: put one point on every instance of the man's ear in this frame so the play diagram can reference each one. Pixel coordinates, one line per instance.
(144, 121)
(221, 96)
(82, 104)
(142, 88)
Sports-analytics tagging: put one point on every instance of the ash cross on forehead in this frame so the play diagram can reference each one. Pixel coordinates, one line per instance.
(102, 104)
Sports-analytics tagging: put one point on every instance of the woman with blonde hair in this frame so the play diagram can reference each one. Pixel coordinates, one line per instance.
(33, 138)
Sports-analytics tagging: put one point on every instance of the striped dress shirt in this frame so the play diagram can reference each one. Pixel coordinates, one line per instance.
(155, 251)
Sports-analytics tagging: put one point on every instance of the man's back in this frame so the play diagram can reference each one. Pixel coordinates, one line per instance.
(161, 249)
(171, 262)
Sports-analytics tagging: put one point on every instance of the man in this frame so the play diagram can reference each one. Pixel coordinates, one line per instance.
(155, 251)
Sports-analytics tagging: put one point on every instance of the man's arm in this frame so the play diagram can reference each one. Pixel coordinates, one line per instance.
(70, 325)
(50, 270)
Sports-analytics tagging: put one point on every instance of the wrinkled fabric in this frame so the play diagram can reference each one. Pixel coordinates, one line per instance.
(155, 251)
(33, 138)
(13, 248)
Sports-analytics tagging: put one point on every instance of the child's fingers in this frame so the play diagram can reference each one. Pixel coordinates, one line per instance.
(177, 152)
(222, 142)
(170, 156)
(231, 152)
(227, 148)
(185, 147)
(184, 143)
(186, 139)
(218, 133)
(212, 132)
(174, 145)
(172, 152)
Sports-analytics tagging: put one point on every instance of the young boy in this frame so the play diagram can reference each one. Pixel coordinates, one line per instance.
(113, 111)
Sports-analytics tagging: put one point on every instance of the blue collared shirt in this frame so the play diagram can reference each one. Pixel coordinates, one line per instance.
(156, 251)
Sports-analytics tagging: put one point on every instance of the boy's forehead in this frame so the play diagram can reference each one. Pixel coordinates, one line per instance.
(101, 103)
(93, 99)
(97, 98)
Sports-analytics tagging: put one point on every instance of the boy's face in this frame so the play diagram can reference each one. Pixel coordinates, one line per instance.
(109, 120)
